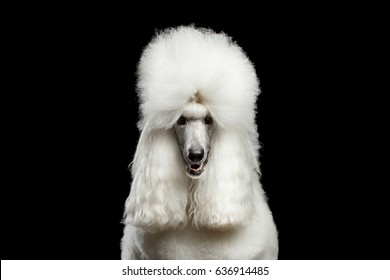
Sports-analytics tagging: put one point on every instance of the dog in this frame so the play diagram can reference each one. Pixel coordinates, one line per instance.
(196, 191)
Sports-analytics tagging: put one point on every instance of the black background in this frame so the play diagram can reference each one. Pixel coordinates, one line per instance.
(70, 128)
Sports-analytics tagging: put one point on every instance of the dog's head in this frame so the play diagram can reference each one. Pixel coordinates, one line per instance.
(197, 156)
(194, 130)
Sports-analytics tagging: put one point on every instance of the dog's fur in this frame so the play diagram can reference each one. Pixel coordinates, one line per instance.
(221, 213)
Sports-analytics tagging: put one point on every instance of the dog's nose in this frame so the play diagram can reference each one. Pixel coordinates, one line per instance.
(196, 155)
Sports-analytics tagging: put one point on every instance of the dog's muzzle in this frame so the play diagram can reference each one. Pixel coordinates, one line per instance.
(196, 162)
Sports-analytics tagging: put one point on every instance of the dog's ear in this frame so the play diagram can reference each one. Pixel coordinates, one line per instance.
(159, 193)
(226, 194)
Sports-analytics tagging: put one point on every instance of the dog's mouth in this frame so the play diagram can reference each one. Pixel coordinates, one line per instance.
(195, 170)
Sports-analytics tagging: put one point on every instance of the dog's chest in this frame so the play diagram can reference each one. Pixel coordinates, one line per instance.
(196, 244)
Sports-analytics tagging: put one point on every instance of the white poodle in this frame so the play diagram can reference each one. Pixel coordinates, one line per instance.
(196, 192)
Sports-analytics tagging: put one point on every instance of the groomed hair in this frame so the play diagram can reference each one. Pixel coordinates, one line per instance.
(178, 66)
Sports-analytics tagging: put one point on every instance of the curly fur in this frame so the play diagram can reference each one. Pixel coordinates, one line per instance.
(224, 213)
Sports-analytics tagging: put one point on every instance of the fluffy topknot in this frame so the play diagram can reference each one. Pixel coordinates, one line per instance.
(194, 64)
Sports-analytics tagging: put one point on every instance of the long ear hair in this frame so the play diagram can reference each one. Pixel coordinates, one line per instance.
(226, 194)
(159, 193)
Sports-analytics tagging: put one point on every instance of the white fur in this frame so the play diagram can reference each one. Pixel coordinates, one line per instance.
(224, 213)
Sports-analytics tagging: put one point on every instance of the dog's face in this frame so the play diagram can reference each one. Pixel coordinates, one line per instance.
(194, 130)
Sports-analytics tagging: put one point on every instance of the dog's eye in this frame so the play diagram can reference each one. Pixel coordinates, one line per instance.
(181, 121)
(208, 120)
